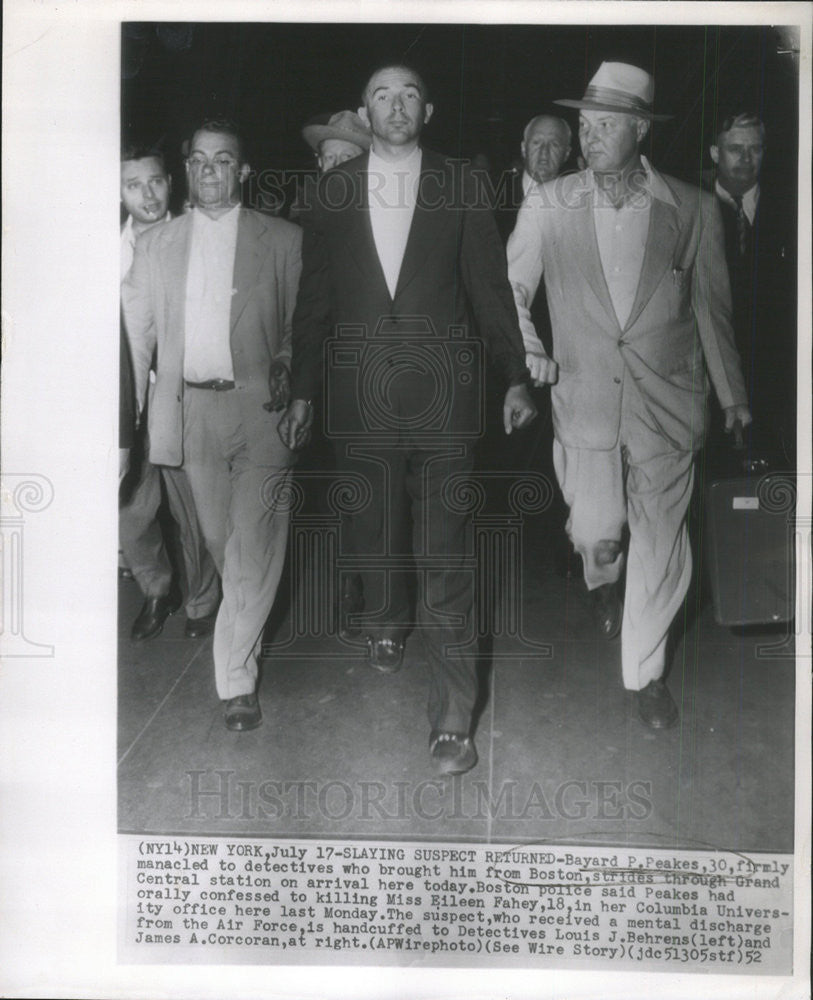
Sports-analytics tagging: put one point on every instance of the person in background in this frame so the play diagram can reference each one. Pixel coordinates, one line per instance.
(334, 139)
(760, 253)
(145, 191)
(214, 291)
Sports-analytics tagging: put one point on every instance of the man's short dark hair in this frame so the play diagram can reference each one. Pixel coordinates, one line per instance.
(743, 119)
(223, 126)
(139, 151)
(398, 64)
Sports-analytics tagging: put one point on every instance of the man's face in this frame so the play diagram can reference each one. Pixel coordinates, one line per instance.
(332, 152)
(609, 139)
(394, 108)
(145, 189)
(738, 156)
(545, 149)
(214, 170)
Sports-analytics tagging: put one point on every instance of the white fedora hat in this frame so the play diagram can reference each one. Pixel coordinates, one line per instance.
(344, 125)
(619, 87)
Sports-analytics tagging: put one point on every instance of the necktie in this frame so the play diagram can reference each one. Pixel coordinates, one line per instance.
(742, 225)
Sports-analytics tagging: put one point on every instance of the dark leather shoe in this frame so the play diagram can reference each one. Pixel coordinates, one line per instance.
(452, 753)
(608, 609)
(350, 603)
(196, 628)
(656, 706)
(243, 712)
(154, 612)
(386, 655)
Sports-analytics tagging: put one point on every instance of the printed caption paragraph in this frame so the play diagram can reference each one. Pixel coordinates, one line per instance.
(214, 900)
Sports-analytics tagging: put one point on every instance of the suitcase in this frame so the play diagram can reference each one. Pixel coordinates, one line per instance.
(749, 540)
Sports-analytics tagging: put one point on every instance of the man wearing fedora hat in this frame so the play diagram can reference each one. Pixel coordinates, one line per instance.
(342, 137)
(641, 315)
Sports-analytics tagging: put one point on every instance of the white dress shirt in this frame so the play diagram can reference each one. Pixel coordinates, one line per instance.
(209, 280)
(392, 193)
(621, 236)
(750, 200)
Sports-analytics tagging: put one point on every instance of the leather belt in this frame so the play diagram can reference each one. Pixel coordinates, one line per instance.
(217, 384)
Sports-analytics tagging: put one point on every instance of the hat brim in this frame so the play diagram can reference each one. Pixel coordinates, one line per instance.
(619, 109)
(314, 134)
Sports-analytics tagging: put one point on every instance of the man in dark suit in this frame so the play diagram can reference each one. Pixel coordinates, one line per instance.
(761, 258)
(213, 293)
(399, 262)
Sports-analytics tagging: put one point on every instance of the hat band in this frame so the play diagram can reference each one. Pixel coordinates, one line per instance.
(607, 95)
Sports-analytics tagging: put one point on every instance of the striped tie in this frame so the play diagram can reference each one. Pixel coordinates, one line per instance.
(742, 225)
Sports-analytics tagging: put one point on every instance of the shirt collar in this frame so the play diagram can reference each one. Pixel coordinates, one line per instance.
(654, 185)
(527, 183)
(750, 199)
(227, 220)
(410, 164)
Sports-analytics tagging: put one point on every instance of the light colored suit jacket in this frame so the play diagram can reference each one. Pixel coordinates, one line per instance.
(678, 332)
(267, 266)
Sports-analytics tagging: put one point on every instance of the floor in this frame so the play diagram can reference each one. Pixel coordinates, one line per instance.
(563, 757)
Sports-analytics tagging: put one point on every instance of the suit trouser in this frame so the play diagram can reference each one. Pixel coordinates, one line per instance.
(407, 517)
(142, 541)
(239, 471)
(645, 483)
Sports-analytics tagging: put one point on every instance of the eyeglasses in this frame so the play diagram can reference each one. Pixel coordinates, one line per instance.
(220, 162)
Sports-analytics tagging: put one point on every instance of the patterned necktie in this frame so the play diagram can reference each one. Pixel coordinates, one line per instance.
(742, 225)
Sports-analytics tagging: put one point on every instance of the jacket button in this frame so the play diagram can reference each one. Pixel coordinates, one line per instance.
(617, 380)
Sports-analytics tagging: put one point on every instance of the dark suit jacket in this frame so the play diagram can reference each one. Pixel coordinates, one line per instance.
(763, 293)
(453, 270)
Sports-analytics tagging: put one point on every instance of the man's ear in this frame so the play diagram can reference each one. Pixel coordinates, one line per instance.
(427, 112)
(364, 116)
(245, 170)
(715, 153)
(522, 150)
(169, 183)
(643, 128)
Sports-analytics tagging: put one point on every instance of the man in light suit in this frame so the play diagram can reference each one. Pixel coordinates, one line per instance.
(641, 314)
(213, 292)
(398, 261)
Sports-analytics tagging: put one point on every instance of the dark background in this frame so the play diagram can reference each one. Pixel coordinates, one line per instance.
(486, 82)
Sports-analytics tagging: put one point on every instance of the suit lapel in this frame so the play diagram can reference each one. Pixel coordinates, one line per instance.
(582, 234)
(176, 262)
(659, 253)
(250, 252)
(360, 231)
(423, 230)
